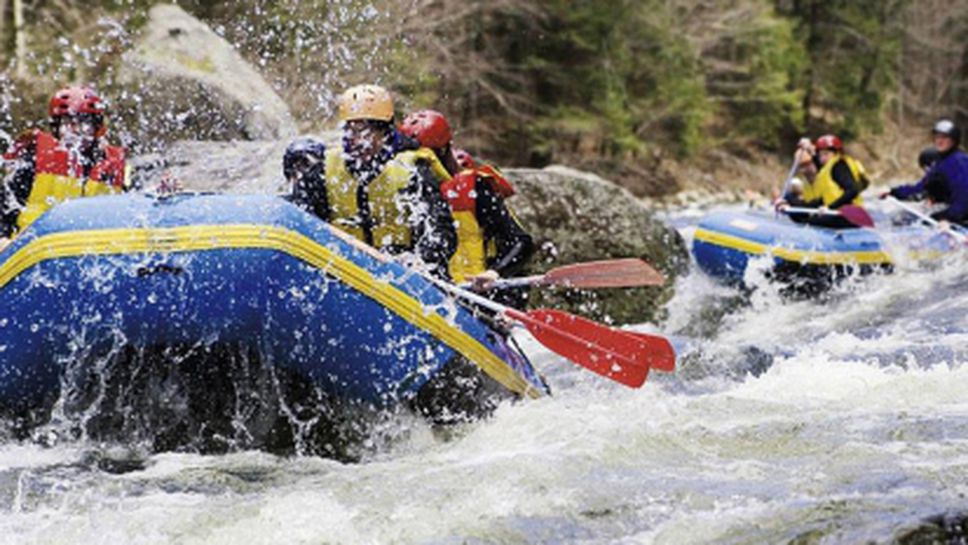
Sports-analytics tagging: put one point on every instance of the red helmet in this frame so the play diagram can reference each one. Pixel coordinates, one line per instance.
(829, 141)
(74, 101)
(464, 159)
(429, 127)
(77, 101)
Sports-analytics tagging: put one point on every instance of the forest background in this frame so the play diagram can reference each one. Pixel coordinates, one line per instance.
(658, 95)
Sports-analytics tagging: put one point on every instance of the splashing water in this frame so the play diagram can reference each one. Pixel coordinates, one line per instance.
(839, 420)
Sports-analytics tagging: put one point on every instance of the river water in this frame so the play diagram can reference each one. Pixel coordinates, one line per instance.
(841, 420)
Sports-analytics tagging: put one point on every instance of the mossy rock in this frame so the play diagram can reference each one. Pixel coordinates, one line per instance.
(576, 216)
(181, 80)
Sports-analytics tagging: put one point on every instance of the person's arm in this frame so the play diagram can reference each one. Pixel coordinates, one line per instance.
(432, 224)
(845, 179)
(912, 192)
(309, 193)
(15, 188)
(514, 245)
(797, 200)
(957, 210)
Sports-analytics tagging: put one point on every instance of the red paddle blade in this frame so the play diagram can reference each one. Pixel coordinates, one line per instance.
(612, 273)
(856, 215)
(579, 345)
(665, 358)
(641, 349)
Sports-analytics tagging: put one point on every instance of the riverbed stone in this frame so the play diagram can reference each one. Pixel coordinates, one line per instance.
(183, 80)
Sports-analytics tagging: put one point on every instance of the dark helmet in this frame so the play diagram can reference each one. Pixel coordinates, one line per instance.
(928, 157)
(77, 101)
(301, 155)
(948, 128)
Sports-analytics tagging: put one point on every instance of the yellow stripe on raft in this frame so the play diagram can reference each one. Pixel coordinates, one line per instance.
(195, 238)
(877, 257)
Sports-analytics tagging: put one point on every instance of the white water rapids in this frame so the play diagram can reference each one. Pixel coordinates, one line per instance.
(843, 420)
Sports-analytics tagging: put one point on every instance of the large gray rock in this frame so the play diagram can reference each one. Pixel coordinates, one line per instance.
(576, 216)
(186, 82)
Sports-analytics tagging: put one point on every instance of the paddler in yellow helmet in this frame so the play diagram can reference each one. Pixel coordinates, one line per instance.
(380, 190)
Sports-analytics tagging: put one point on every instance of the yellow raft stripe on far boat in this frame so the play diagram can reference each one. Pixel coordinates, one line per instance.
(878, 257)
(197, 238)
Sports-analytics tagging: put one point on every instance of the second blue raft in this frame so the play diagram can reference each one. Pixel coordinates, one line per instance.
(725, 243)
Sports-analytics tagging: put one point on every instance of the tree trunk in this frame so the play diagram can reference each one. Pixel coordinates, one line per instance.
(20, 39)
(3, 34)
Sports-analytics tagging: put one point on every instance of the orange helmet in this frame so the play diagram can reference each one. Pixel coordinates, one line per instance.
(366, 102)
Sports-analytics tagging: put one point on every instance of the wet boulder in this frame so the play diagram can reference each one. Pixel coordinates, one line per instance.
(577, 216)
(184, 81)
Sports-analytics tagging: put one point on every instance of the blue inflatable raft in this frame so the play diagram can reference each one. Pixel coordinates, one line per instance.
(94, 275)
(726, 242)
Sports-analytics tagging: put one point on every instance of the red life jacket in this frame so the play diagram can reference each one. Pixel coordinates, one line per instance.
(59, 177)
(473, 246)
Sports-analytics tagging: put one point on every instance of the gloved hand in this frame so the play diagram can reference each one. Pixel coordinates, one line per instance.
(780, 205)
(483, 281)
(884, 194)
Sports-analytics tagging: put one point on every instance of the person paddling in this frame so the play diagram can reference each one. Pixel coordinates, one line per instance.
(491, 242)
(839, 181)
(946, 181)
(72, 160)
(375, 187)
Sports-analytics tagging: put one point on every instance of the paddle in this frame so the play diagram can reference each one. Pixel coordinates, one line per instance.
(789, 178)
(653, 351)
(612, 273)
(959, 236)
(850, 212)
(667, 363)
(584, 342)
(619, 355)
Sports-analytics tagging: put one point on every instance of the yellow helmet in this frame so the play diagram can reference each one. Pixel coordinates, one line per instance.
(366, 102)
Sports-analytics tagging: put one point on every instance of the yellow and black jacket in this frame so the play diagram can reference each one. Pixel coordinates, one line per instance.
(397, 207)
(837, 183)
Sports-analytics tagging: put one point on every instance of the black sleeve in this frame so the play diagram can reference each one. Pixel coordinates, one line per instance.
(15, 191)
(309, 193)
(795, 200)
(434, 235)
(514, 245)
(845, 179)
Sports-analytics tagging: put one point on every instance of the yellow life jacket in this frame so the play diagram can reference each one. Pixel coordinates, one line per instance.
(474, 247)
(382, 223)
(824, 187)
(58, 177)
(470, 257)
